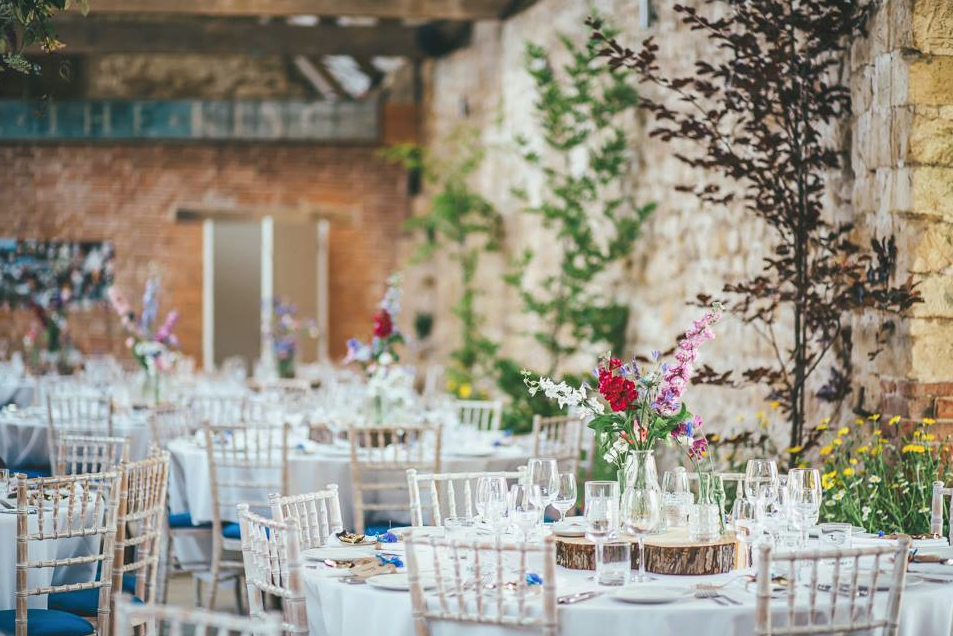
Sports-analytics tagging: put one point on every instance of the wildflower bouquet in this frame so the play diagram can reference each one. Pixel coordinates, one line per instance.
(381, 349)
(881, 477)
(634, 409)
(283, 332)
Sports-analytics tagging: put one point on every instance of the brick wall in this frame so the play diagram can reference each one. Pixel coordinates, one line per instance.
(128, 194)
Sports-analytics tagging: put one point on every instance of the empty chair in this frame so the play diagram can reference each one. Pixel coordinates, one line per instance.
(178, 621)
(456, 599)
(223, 408)
(271, 554)
(317, 514)
(447, 494)
(831, 599)
(71, 507)
(77, 454)
(936, 514)
(169, 422)
(83, 414)
(247, 461)
(483, 415)
(380, 458)
(559, 437)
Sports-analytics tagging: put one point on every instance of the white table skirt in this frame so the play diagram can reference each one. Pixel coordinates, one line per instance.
(24, 440)
(337, 609)
(189, 477)
(40, 550)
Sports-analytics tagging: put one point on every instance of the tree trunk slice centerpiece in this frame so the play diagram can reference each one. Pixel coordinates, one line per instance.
(667, 553)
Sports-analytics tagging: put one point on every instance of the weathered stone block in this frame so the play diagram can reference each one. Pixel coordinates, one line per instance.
(932, 191)
(931, 81)
(931, 140)
(932, 26)
(931, 350)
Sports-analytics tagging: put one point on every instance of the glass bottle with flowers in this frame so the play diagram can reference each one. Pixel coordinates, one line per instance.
(283, 332)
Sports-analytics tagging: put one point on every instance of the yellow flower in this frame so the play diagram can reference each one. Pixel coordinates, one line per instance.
(836, 441)
(848, 472)
(877, 450)
(821, 427)
(893, 420)
(465, 391)
(843, 431)
(826, 420)
(878, 432)
(795, 449)
(451, 385)
(859, 422)
(863, 449)
(929, 437)
(775, 404)
(759, 414)
(826, 450)
(916, 434)
(913, 448)
(874, 417)
(715, 437)
(853, 462)
(929, 421)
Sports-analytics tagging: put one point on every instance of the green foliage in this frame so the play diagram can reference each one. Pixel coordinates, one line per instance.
(589, 208)
(464, 225)
(24, 23)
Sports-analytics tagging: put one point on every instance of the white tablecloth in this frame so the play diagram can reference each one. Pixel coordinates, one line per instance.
(40, 550)
(337, 609)
(24, 441)
(189, 475)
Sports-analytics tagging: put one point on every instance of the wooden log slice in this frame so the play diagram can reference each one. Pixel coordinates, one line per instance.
(667, 553)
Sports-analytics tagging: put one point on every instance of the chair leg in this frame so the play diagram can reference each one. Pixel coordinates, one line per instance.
(240, 595)
(197, 588)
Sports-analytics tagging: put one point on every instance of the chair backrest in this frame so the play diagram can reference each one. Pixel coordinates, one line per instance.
(224, 408)
(559, 437)
(380, 458)
(178, 621)
(483, 415)
(447, 493)
(86, 414)
(140, 522)
(271, 554)
(168, 422)
(247, 461)
(455, 598)
(833, 599)
(74, 506)
(78, 454)
(317, 514)
(936, 510)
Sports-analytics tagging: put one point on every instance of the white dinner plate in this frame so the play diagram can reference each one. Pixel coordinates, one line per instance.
(399, 581)
(651, 594)
(472, 451)
(338, 553)
(568, 529)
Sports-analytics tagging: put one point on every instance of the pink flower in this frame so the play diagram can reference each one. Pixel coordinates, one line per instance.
(118, 301)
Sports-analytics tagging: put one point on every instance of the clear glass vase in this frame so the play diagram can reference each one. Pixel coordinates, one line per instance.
(705, 518)
(641, 508)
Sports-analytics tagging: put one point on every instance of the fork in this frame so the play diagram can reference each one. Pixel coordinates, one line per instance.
(711, 595)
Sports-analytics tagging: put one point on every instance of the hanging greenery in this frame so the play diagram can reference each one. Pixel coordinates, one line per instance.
(25, 23)
(464, 225)
(757, 117)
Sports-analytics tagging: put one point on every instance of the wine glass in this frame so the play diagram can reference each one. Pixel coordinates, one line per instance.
(804, 496)
(565, 495)
(641, 513)
(762, 484)
(485, 485)
(544, 472)
(744, 521)
(493, 496)
(526, 503)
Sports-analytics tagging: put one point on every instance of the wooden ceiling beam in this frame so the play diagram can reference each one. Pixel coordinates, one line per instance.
(116, 34)
(409, 9)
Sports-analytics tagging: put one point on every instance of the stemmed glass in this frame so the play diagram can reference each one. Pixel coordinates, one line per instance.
(566, 495)
(641, 513)
(804, 498)
(526, 504)
(761, 484)
(744, 520)
(493, 493)
(544, 473)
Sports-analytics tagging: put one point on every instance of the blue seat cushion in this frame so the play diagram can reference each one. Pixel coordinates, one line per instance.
(81, 602)
(32, 472)
(184, 520)
(231, 530)
(375, 530)
(45, 622)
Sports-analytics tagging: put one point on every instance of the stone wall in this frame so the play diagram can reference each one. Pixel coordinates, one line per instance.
(687, 249)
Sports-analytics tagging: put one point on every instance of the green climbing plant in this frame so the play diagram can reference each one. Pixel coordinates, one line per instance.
(25, 23)
(464, 225)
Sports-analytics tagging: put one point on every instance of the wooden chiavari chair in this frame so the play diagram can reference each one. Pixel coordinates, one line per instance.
(168, 422)
(456, 599)
(178, 621)
(317, 514)
(57, 509)
(445, 491)
(380, 458)
(832, 601)
(271, 554)
(483, 415)
(86, 414)
(247, 461)
(936, 510)
(559, 437)
(217, 409)
(78, 454)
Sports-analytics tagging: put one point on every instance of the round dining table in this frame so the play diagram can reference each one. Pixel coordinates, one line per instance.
(336, 608)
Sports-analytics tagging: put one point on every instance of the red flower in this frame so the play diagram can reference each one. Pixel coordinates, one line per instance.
(617, 391)
(383, 325)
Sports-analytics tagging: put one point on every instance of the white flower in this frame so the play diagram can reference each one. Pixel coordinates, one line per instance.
(874, 479)
(840, 495)
(386, 358)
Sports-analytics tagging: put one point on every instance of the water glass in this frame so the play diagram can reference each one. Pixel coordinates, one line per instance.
(526, 505)
(745, 524)
(4, 482)
(762, 484)
(614, 561)
(566, 495)
(676, 497)
(458, 528)
(804, 497)
(641, 513)
(836, 535)
(544, 473)
(602, 510)
(491, 487)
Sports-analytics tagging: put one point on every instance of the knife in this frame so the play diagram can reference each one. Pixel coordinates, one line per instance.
(578, 597)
